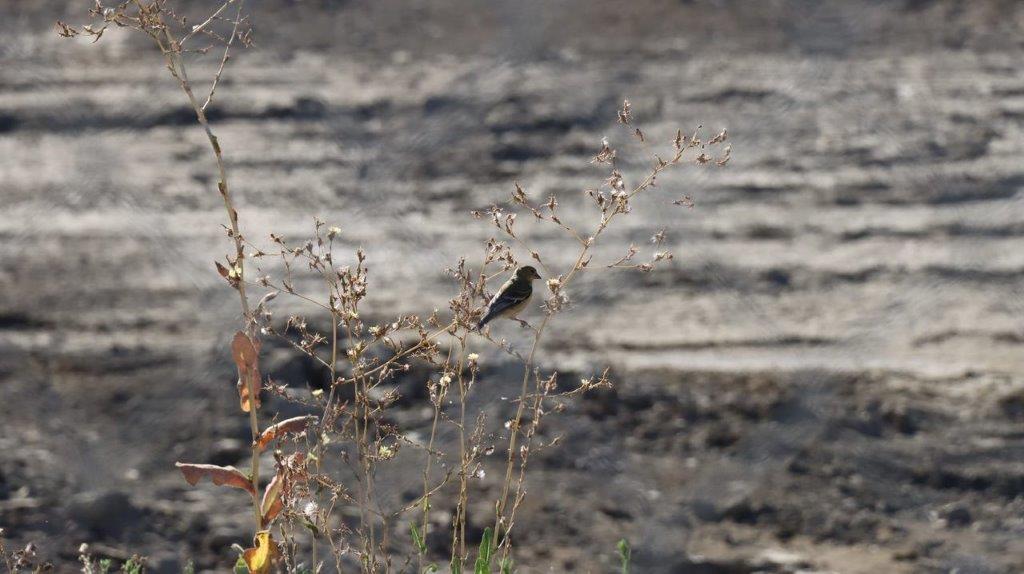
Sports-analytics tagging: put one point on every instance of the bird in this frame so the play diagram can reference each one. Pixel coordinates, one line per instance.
(512, 297)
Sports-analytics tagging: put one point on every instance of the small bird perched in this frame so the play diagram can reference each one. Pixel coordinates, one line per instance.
(512, 297)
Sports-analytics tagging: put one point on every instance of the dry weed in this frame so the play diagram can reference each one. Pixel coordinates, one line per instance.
(302, 498)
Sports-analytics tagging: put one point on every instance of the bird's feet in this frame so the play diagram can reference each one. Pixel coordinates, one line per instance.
(525, 325)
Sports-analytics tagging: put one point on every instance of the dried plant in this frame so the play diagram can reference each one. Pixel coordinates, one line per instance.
(347, 426)
(24, 560)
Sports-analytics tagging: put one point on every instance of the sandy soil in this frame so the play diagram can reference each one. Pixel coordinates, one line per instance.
(827, 378)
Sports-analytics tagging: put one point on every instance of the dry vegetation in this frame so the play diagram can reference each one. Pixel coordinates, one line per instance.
(305, 517)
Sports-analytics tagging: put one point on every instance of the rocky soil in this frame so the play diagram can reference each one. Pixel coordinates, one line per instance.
(826, 378)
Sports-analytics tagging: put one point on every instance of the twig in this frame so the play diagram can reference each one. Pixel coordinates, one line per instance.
(227, 50)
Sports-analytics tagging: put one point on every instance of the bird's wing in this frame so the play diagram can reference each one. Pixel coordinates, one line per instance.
(512, 294)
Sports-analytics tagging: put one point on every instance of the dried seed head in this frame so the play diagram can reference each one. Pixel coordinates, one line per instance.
(685, 201)
(605, 155)
(615, 181)
(626, 113)
(725, 156)
(518, 195)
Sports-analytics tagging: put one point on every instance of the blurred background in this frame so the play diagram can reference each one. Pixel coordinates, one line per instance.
(826, 378)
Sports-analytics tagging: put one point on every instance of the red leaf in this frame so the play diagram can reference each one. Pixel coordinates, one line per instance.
(243, 351)
(294, 425)
(272, 503)
(246, 356)
(220, 475)
(289, 471)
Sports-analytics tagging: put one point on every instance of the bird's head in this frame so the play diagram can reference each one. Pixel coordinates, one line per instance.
(527, 272)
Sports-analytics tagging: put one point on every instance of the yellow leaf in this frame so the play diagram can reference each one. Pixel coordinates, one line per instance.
(260, 558)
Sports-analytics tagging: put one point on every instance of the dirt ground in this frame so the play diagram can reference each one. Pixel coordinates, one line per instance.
(826, 378)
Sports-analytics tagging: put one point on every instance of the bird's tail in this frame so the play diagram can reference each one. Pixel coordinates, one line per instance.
(485, 320)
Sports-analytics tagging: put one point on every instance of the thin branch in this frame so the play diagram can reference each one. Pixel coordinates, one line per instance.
(199, 28)
(226, 56)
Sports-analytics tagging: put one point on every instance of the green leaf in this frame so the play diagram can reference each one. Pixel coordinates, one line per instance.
(240, 566)
(134, 565)
(483, 559)
(312, 528)
(506, 566)
(417, 540)
(624, 554)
